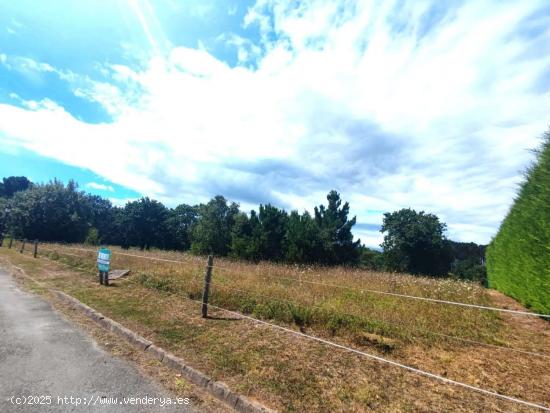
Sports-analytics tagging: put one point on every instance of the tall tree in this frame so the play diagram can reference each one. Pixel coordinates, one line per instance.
(14, 184)
(245, 237)
(146, 220)
(212, 232)
(414, 242)
(335, 232)
(3, 215)
(179, 225)
(50, 212)
(273, 224)
(302, 243)
(121, 234)
(102, 218)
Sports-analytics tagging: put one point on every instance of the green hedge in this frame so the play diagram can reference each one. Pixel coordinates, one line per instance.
(518, 258)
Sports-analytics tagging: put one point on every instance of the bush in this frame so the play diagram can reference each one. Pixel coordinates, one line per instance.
(371, 259)
(470, 269)
(93, 237)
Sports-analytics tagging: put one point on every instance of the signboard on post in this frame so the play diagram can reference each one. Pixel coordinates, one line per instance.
(104, 260)
(103, 264)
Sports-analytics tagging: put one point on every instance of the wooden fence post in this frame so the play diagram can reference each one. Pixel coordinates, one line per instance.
(23, 246)
(11, 242)
(206, 290)
(35, 248)
(1, 240)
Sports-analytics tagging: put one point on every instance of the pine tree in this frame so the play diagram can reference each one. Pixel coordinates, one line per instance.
(335, 232)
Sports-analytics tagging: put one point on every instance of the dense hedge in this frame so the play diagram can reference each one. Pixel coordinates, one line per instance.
(518, 258)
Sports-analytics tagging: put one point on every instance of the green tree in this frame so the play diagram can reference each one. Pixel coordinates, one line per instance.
(102, 217)
(272, 229)
(414, 242)
(50, 212)
(14, 184)
(3, 215)
(371, 259)
(93, 237)
(302, 243)
(145, 220)
(335, 232)
(179, 225)
(121, 229)
(470, 269)
(212, 232)
(245, 237)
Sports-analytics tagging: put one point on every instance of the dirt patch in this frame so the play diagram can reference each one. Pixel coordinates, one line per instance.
(533, 324)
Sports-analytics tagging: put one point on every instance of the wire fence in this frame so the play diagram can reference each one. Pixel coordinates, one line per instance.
(363, 290)
(312, 305)
(207, 284)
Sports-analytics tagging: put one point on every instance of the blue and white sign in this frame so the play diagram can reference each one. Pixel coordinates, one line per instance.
(104, 260)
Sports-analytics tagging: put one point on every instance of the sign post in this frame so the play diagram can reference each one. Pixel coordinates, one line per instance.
(103, 265)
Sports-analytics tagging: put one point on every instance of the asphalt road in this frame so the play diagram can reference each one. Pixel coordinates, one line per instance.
(41, 355)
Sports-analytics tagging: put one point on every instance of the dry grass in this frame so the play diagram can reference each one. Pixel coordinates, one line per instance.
(292, 374)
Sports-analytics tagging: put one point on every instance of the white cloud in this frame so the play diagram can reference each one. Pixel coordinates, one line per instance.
(366, 98)
(121, 202)
(100, 187)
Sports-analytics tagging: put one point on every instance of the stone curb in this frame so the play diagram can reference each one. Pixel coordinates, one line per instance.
(217, 388)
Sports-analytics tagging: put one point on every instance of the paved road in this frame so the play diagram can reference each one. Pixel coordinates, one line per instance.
(41, 354)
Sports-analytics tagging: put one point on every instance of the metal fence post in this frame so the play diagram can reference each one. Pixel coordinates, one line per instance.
(11, 242)
(206, 290)
(23, 246)
(35, 248)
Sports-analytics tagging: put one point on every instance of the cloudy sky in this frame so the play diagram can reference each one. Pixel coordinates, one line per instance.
(430, 105)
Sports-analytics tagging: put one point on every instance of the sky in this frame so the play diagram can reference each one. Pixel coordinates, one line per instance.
(430, 105)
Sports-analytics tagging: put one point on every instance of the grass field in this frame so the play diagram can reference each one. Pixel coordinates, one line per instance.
(293, 374)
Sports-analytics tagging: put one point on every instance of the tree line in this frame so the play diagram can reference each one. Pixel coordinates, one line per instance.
(413, 241)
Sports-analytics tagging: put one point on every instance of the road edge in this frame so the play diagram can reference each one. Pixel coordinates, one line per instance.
(218, 389)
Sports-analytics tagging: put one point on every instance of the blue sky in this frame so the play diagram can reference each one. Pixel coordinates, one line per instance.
(423, 104)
